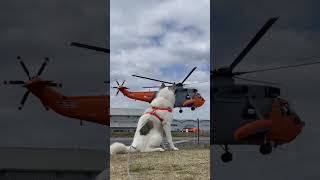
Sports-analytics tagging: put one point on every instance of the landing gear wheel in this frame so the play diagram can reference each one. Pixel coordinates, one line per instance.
(193, 108)
(180, 111)
(265, 149)
(226, 157)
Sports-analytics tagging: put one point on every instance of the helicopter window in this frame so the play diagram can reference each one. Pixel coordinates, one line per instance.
(272, 92)
(285, 109)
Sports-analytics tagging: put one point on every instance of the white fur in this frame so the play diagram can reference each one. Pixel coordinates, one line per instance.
(152, 141)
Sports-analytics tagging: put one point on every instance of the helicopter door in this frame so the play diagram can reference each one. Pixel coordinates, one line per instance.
(181, 97)
(272, 92)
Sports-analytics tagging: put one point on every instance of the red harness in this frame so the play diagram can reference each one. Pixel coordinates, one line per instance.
(154, 109)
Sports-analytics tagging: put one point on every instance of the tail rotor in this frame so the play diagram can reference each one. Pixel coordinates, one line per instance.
(120, 86)
(23, 83)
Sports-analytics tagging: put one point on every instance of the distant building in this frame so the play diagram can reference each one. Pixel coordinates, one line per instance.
(126, 119)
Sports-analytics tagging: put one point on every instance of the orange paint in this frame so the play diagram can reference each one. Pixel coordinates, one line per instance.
(141, 96)
(89, 108)
(281, 127)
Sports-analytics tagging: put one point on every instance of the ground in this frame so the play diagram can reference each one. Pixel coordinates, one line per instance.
(191, 163)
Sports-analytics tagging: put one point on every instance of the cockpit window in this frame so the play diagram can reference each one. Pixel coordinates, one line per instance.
(285, 108)
(187, 96)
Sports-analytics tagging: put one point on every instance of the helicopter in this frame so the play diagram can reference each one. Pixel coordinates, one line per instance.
(254, 113)
(185, 97)
(88, 108)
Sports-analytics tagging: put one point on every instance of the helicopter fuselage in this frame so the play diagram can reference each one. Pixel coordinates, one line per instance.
(248, 114)
(184, 97)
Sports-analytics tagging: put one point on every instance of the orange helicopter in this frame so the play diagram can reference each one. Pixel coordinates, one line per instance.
(185, 97)
(251, 113)
(89, 108)
(283, 126)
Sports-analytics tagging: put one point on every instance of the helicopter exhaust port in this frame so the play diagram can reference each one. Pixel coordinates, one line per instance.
(193, 108)
(180, 110)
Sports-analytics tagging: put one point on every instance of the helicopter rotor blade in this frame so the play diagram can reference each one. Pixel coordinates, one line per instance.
(152, 79)
(196, 83)
(45, 106)
(123, 82)
(44, 64)
(96, 48)
(24, 67)
(188, 75)
(24, 98)
(253, 42)
(277, 68)
(258, 81)
(14, 82)
(151, 87)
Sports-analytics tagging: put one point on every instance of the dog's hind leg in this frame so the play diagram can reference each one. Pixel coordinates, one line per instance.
(163, 145)
(154, 142)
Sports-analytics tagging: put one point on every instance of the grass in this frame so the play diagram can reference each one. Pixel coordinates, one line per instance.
(184, 164)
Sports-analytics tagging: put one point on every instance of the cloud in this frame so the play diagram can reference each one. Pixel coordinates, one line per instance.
(163, 40)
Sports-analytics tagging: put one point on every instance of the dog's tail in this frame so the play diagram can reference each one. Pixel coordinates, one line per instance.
(119, 148)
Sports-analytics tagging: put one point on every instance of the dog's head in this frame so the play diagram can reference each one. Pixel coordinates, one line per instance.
(172, 88)
(167, 93)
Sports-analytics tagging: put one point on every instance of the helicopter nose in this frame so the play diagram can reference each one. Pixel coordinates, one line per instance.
(300, 126)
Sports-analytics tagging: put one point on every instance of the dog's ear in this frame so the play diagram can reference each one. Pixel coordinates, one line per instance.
(173, 87)
(162, 86)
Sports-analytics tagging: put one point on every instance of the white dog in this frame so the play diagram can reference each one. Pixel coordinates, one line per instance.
(151, 125)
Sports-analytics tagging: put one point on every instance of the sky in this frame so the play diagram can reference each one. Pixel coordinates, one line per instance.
(293, 39)
(38, 29)
(161, 39)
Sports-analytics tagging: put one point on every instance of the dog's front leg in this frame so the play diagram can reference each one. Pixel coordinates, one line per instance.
(167, 131)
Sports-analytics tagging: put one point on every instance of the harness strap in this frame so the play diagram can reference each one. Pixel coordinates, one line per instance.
(154, 109)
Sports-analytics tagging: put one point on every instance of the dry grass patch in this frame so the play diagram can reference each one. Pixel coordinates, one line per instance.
(183, 164)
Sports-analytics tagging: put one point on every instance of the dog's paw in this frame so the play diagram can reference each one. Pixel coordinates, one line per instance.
(174, 149)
